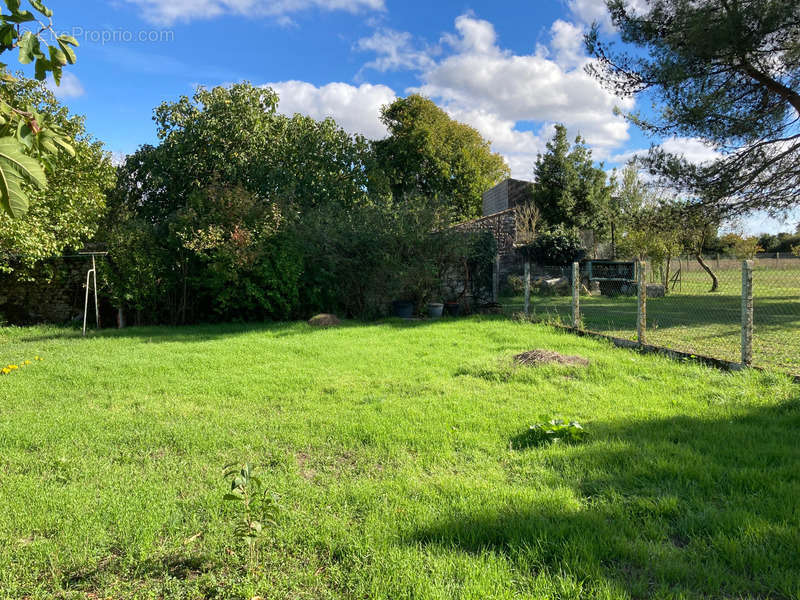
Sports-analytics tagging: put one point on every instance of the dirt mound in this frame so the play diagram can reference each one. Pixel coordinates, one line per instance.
(533, 358)
(324, 320)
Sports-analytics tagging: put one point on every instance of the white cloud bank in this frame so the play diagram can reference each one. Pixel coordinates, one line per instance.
(169, 12)
(356, 109)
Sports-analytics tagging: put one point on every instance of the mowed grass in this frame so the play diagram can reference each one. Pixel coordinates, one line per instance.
(693, 320)
(388, 446)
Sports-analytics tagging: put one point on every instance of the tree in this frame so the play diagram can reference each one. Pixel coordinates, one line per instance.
(726, 71)
(429, 154)
(568, 189)
(28, 140)
(68, 214)
(628, 198)
(188, 221)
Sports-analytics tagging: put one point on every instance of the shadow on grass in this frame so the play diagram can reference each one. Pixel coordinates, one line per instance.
(680, 507)
(200, 333)
(178, 566)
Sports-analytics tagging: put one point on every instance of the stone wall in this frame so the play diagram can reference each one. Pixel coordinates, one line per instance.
(56, 296)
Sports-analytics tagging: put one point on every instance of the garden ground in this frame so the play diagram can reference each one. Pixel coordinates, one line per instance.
(389, 448)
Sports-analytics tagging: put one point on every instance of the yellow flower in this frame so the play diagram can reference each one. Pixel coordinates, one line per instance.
(12, 367)
(5, 371)
(27, 362)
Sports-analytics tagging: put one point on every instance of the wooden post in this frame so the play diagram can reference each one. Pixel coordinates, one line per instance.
(496, 279)
(576, 295)
(747, 313)
(641, 314)
(527, 288)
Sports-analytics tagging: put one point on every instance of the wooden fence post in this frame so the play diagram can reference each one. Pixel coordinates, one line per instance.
(641, 313)
(527, 288)
(576, 295)
(747, 313)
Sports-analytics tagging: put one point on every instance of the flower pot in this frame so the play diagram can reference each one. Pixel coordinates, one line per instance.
(403, 309)
(435, 310)
(453, 309)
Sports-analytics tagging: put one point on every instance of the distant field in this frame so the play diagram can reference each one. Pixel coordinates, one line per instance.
(693, 320)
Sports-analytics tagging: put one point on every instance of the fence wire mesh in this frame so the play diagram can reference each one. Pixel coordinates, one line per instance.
(691, 307)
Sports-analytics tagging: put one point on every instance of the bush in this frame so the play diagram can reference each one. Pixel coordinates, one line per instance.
(556, 247)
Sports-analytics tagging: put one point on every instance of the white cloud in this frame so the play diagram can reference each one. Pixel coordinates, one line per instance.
(693, 150)
(356, 109)
(395, 51)
(595, 11)
(168, 12)
(567, 44)
(70, 87)
(481, 78)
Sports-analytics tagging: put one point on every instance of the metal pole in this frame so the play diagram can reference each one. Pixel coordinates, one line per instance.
(96, 305)
(747, 313)
(86, 302)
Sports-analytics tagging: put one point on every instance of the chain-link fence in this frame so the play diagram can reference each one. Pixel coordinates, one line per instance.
(696, 307)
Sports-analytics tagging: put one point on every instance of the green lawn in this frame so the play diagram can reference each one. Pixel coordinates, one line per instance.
(388, 446)
(693, 320)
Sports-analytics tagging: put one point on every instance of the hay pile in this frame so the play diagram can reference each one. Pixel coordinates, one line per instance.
(534, 358)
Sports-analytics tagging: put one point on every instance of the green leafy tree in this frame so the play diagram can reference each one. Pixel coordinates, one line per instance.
(29, 141)
(725, 71)
(68, 213)
(430, 155)
(218, 204)
(628, 198)
(568, 189)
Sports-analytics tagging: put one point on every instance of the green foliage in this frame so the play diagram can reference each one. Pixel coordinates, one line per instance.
(222, 204)
(481, 255)
(568, 189)
(256, 507)
(727, 72)
(68, 213)
(27, 139)
(554, 432)
(430, 155)
(555, 247)
(225, 255)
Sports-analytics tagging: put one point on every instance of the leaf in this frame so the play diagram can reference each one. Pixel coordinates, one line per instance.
(64, 145)
(16, 168)
(42, 67)
(18, 17)
(37, 4)
(68, 39)
(69, 53)
(231, 496)
(58, 56)
(27, 46)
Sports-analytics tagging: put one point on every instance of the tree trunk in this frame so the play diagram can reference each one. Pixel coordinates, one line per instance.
(667, 269)
(707, 269)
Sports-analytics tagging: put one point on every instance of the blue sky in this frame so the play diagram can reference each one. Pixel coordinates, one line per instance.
(511, 68)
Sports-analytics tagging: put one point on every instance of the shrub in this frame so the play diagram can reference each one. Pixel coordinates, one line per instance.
(556, 247)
